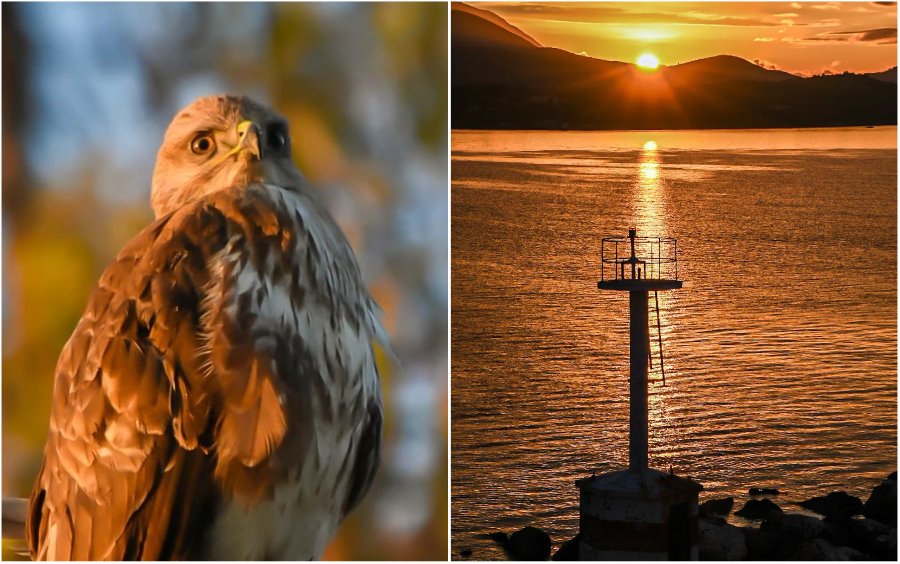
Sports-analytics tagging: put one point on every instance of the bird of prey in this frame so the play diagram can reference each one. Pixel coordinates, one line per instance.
(219, 398)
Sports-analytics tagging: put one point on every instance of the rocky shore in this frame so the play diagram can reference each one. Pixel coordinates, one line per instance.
(848, 529)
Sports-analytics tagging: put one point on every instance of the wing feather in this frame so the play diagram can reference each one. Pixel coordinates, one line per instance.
(174, 390)
(128, 458)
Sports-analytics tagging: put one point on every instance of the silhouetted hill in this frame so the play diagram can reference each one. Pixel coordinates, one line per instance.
(472, 30)
(889, 75)
(500, 80)
(492, 55)
(729, 67)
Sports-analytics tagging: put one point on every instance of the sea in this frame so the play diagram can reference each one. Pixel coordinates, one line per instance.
(780, 350)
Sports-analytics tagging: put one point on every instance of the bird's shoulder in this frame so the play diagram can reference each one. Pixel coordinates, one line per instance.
(282, 233)
(254, 213)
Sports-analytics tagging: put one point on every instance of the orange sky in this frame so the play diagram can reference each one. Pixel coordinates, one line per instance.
(799, 37)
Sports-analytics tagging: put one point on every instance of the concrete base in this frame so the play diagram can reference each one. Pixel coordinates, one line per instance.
(638, 515)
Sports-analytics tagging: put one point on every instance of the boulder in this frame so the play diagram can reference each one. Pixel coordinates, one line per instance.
(499, 537)
(838, 531)
(868, 536)
(869, 527)
(758, 509)
(466, 552)
(892, 544)
(794, 528)
(882, 547)
(761, 545)
(836, 505)
(801, 527)
(882, 503)
(721, 542)
(847, 553)
(720, 506)
(819, 549)
(529, 543)
(763, 491)
(569, 550)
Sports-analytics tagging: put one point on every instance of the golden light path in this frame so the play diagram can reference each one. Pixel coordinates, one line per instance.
(648, 210)
(649, 215)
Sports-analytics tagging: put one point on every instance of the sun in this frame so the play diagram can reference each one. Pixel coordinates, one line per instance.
(648, 61)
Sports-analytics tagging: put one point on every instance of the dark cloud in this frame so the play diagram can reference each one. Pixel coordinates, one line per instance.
(883, 3)
(884, 35)
(879, 35)
(614, 14)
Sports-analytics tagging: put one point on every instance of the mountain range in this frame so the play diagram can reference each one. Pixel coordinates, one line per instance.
(504, 79)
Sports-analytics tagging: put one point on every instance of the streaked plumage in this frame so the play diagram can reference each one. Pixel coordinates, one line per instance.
(219, 397)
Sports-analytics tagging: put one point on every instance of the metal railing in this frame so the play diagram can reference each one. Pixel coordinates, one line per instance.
(655, 258)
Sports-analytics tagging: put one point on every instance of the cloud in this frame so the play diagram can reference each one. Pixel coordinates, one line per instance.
(796, 5)
(787, 15)
(830, 22)
(880, 34)
(826, 6)
(884, 35)
(622, 13)
(883, 3)
(831, 69)
(763, 39)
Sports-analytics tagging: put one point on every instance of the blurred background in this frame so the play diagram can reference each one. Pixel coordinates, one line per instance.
(88, 90)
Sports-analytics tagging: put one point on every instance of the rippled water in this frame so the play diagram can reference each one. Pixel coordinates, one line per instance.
(780, 350)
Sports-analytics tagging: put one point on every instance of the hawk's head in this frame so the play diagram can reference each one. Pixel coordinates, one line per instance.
(217, 142)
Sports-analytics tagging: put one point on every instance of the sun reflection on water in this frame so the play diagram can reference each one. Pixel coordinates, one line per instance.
(648, 208)
(649, 171)
(649, 215)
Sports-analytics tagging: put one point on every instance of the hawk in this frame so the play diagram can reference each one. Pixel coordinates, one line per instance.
(219, 398)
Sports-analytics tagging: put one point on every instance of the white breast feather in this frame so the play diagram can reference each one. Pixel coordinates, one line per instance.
(305, 511)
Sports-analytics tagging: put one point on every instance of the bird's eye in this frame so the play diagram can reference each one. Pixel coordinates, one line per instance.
(275, 139)
(203, 143)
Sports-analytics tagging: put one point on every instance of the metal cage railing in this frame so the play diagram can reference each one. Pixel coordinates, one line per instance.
(654, 258)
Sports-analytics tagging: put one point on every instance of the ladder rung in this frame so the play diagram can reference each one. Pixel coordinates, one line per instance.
(662, 367)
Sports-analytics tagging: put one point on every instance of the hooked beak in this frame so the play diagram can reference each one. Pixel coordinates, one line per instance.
(248, 133)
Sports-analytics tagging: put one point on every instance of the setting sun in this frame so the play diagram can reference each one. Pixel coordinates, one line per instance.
(648, 61)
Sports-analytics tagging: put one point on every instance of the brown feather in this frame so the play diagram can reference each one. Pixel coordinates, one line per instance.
(181, 390)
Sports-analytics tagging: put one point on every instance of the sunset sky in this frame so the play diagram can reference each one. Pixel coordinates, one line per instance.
(800, 37)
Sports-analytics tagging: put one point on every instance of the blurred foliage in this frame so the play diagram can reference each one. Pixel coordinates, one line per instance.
(87, 92)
